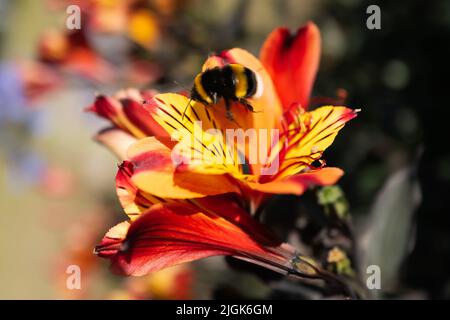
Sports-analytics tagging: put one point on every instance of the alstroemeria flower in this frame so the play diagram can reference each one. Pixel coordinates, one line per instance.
(188, 189)
(72, 52)
(174, 283)
(202, 164)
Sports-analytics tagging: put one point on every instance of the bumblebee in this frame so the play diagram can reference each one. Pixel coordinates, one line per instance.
(232, 82)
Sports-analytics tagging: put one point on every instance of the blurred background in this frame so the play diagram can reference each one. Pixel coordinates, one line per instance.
(57, 194)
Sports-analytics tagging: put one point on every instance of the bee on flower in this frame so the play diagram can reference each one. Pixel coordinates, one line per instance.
(191, 180)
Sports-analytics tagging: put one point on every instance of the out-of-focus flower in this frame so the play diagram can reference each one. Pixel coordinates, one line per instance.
(173, 283)
(57, 181)
(168, 8)
(142, 72)
(73, 53)
(143, 28)
(77, 251)
(134, 18)
(22, 83)
(119, 33)
(100, 15)
(38, 80)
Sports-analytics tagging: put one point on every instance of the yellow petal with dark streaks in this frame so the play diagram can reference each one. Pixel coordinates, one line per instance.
(315, 133)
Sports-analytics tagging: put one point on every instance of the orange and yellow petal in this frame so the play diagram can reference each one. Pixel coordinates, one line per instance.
(299, 183)
(156, 174)
(134, 201)
(177, 115)
(112, 241)
(308, 139)
(201, 144)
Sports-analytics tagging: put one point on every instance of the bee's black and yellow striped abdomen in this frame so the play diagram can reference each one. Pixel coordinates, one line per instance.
(231, 82)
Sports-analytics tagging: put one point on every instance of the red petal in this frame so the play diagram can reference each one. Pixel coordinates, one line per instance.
(172, 234)
(227, 207)
(105, 107)
(292, 62)
(112, 241)
(85, 62)
(140, 117)
(133, 201)
(128, 115)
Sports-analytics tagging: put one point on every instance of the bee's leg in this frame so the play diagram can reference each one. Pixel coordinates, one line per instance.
(247, 105)
(229, 113)
(228, 108)
(185, 108)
